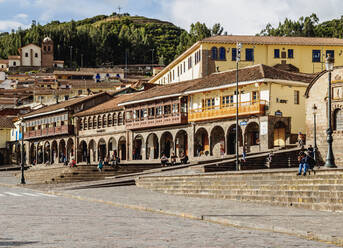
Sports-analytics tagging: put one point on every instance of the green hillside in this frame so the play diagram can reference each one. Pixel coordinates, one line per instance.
(101, 40)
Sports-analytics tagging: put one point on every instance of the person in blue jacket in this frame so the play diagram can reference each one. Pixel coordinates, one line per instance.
(303, 163)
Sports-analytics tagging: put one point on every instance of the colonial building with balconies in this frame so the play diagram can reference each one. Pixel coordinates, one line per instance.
(50, 132)
(102, 131)
(197, 117)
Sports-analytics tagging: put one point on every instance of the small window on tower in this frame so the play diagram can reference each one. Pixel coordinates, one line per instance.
(49, 48)
(36, 55)
(26, 55)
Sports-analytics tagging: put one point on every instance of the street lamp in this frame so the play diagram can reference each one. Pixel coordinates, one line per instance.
(314, 108)
(22, 181)
(238, 58)
(330, 159)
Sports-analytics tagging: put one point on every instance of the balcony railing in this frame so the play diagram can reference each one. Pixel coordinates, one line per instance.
(154, 121)
(51, 131)
(228, 110)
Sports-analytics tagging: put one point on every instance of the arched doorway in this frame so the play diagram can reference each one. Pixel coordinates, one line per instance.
(33, 154)
(70, 149)
(252, 135)
(217, 141)
(167, 144)
(112, 147)
(122, 148)
(280, 134)
(231, 139)
(201, 143)
(39, 153)
(46, 156)
(83, 151)
(102, 149)
(181, 143)
(137, 147)
(152, 147)
(92, 151)
(54, 152)
(62, 151)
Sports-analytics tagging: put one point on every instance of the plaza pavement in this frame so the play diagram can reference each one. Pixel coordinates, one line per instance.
(308, 224)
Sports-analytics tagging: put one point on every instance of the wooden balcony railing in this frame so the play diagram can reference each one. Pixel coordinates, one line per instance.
(229, 110)
(51, 131)
(154, 121)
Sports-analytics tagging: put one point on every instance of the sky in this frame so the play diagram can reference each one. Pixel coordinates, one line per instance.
(236, 16)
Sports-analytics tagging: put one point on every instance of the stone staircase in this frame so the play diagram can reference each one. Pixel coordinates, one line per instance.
(281, 159)
(322, 191)
(65, 174)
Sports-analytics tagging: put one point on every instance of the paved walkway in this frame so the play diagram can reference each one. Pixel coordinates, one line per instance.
(322, 226)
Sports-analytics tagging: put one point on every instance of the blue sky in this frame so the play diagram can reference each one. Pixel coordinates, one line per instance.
(237, 17)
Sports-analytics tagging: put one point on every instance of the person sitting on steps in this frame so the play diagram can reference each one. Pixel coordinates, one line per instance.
(164, 160)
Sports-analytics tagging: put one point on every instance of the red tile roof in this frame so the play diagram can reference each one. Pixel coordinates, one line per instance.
(6, 122)
(109, 106)
(251, 73)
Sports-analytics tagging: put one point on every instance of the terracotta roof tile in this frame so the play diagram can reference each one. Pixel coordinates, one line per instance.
(109, 106)
(6, 122)
(250, 73)
(249, 39)
(61, 105)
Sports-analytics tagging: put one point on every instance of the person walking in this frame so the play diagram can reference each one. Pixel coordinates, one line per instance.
(100, 165)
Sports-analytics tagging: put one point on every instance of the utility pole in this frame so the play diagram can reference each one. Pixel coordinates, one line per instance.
(238, 58)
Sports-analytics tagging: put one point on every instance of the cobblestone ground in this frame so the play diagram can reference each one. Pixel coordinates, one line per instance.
(30, 219)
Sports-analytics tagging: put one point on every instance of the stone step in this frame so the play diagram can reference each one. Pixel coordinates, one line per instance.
(259, 198)
(324, 187)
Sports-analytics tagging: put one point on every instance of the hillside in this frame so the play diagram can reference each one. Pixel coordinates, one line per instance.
(101, 40)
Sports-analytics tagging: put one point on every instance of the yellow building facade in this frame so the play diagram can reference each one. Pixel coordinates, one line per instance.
(216, 54)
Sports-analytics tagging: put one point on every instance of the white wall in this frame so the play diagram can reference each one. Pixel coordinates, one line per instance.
(36, 61)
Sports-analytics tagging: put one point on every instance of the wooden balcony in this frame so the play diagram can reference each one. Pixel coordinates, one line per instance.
(51, 131)
(155, 121)
(225, 111)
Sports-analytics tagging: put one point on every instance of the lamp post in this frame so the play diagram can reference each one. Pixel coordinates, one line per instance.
(238, 58)
(314, 108)
(330, 159)
(22, 181)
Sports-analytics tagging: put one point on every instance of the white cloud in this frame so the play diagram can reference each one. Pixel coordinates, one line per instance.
(21, 16)
(246, 16)
(5, 26)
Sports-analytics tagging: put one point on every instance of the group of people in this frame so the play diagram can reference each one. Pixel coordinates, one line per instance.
(113, 162)
(173, 157)
(306, 160)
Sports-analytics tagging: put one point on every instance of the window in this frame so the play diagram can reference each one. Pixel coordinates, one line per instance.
(26, 55)
(209, 102)
(338, 120)
(234, 54)
(136, 114)
(249, 54)
(109, 120)
(254, 96)
(167, 110)
(36, 55)
(290, 54)
(214, 55)
(296, 97)
(189, 63)
(181, 69)
(66, 97)
(14, 63)
(159, 111)
(315, 55)
(226, 100)
(143, 113)
(49, 48)
(151, 112)
(175, 108)
(331, 52)
(184, 66)
(120, 119)
(276, 53)
(222, 55)
(115, 120)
